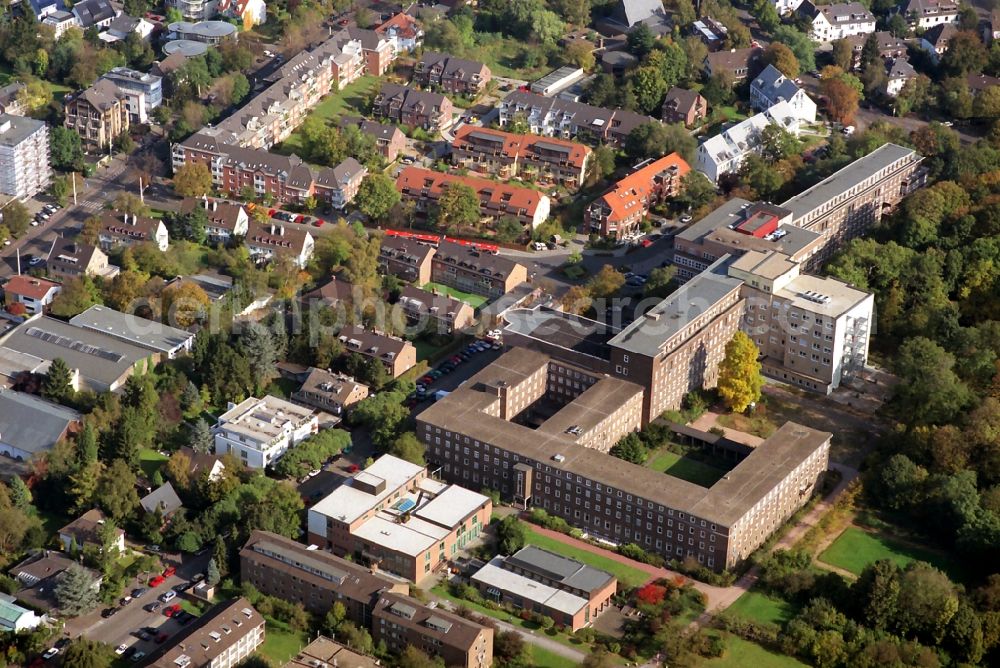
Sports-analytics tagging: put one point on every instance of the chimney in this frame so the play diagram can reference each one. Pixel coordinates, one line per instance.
(215, 205)
(272, 229)
(205, 199)
(281, 230)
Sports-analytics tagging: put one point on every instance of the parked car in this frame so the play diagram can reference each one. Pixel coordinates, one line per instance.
(157, 581)
(686, 218)
(138, 592)
(168, 596)
(153, 607)
(121, 649)
(171, 610)
(129, 652)
(168, 571)
(138, 656)
(108, 612)
(198, 577)
(50, 652)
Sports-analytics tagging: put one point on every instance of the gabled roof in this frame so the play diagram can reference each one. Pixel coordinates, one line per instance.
(451, 66)
(92, 12)
(681, 100)
(278, 237)
(496, 193)
(422, 301)
(632, 12)
(516, 146)
(774, 85)
(102, 95)
(411, 99)
(132, 226)
(375, 129)
(900, 68)
(940, 35)
(404, 25)
(733, 59)
(630, 194)
(840, 13)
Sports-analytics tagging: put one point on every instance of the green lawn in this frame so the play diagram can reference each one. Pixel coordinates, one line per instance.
(281, 643)
(543, 658)
(685, 468)
(475, 301)
(347, 101)
(150, 460)
(283, 387)
(626, 574)
(742, 653)
(760, 608)
(854, 549)
(426, 350)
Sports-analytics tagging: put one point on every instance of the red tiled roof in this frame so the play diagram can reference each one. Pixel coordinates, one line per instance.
(633, 189)
(404, 23)
(490, 192)
(29, 286)
(515, 145)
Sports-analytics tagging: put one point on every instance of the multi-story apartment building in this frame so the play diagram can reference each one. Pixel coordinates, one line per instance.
(477, 436)
(837, 21)
(394, 516)
(926, 14)
(395, 354)
(405, 259)
(403, 30)
(619, 212)
(450, 74)
(676, 347)
(682, 105)
(889, 46)
(898, 72)
(812, 331)
(266, 243)
(725, 152)
(144, 92)
(225, 219)
(259, 431)
(74, 259)
(98, 114)
(435, 312)
(333, 393)
(223, 637)
(470, 270)
(24, 156)
(389, 139)
(401, 622)
(850, 201)
(771, 87)
(379, 49)
(555, 117)
(739, 226)
(340, 184)
(497, 200)
(122, 229)
(409, 106)
(506, 155)
(571, 593)
(195, 10)
(281, 567)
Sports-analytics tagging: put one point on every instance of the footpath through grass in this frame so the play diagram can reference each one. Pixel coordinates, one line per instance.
(627, 575)
(855, 548)
(685, 468)
(475, 301)
(758, 607)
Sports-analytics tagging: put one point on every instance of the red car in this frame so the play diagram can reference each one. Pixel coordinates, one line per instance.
(170, 570)
(172, 610)
(353, 468)
(157, 581)
(299, 219)
(426, 380)
(318, 223)
(646, 243)
(271, 212)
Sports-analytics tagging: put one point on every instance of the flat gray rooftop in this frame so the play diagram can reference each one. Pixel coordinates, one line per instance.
(648, 335)
(20, 128)
(562, 329)
(32, 424)
(846, 178)
(133, 329)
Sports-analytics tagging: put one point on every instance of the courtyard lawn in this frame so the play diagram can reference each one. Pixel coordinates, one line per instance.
(281, 643)
(627, 575)
(150, 461)
(685, 468)
(348, 101)
(760, 608)
(854, 549)
(475, 301)
(742, 653)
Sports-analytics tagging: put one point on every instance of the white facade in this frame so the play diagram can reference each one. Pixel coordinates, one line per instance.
(924, 14)
(195, 10)
(24, 156)
(725, 152)
(898, 72)
(812, 331)
(259, 431)
(771, 87)
(786, 6)
(833, 22)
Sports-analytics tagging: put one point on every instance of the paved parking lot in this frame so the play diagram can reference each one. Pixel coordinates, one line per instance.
(119, 628)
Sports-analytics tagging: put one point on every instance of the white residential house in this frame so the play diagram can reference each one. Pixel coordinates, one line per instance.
(898, 72)
(14, 618)
(925, 14)
(259, 431)
(771, 87)
(786, 6)
(833, 22)
(725, 152)
(266, 242)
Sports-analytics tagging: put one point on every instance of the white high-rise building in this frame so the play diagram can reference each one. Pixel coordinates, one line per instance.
(24, 156)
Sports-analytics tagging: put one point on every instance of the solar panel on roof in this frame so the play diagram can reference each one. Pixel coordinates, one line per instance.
(73, 344)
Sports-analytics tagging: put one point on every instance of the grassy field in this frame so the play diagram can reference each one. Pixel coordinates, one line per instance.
(757, 425)
(626, 574)
(761, 608)
(685, 468)
(347, 101)
(742, 653)
(475, 301)
(150, 460)
(281, 643)
(543, 658)
(426, 350)
(854, 549)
